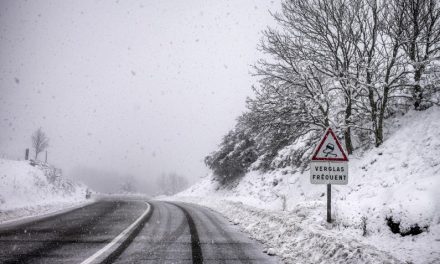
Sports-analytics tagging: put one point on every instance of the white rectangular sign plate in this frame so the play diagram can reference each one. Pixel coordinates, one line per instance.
(323, 172)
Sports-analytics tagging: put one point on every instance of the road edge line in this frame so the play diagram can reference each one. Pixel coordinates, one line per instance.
(105, 254)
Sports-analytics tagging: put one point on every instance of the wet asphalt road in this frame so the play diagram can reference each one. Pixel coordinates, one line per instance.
(68, 238)
(172, 233)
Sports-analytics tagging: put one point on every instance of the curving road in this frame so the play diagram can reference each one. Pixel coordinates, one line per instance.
(70, 237)
(169, 233)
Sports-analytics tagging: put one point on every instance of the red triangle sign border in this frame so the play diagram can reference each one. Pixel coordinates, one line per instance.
(328, 132)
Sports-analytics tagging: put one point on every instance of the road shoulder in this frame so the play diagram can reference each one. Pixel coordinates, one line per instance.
(23, 216)
(288, 236)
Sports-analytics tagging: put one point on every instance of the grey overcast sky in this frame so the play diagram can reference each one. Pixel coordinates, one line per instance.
(138, 87)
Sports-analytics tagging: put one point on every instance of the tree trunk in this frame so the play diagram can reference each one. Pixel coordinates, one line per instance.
(417, 93)
(373, 106)
(348, 144)
(379, 131)
(347, 132)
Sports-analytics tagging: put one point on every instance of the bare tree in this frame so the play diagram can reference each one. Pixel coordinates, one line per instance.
(422, 41)
(171, 183)
(315, 51)
(382, 65)
(129, 184)
(39, 141)
(349, 64)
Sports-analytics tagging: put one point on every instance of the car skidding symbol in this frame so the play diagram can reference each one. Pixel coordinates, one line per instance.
(329, 148)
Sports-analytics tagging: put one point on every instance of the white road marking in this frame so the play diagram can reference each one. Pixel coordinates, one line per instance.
(116, 239)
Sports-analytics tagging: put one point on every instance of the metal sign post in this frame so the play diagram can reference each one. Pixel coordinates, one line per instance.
(329, 203)
(329, 165)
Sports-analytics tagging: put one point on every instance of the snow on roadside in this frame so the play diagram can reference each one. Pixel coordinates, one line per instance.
(400, 179)
(37, 211)
(26, 190)
(291, 237)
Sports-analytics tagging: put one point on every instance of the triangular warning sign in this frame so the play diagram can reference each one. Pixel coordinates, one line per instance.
(329, 148)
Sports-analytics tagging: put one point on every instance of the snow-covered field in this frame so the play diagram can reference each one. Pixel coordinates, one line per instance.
(26, 190)
(399, 180)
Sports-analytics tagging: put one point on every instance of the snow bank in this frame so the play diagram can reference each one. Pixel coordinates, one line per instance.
(291, 236)
(27, 190)
(400, 179)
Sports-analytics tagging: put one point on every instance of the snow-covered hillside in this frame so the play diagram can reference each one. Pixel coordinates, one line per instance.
(27, 190)
(399, 181)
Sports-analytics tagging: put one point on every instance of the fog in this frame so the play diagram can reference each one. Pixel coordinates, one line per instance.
(137, 88)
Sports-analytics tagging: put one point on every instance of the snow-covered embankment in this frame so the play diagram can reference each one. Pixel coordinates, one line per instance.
(27, 190)
(399, 181)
